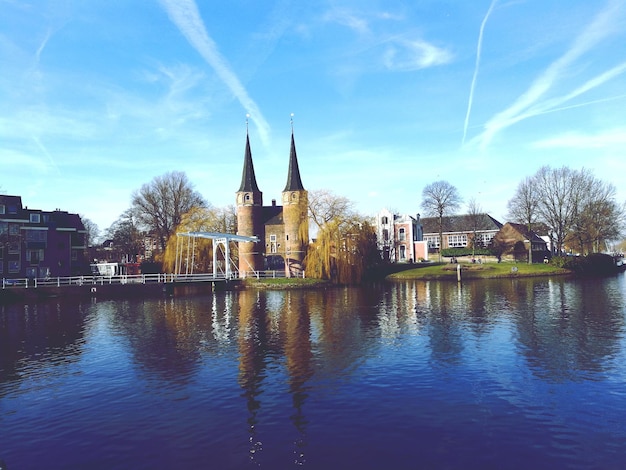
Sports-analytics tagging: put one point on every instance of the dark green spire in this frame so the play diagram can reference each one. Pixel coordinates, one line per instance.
(248, 180)
(294, 183)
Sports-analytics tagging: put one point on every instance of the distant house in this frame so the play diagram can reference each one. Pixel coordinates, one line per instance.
(400, 237)
(459, 230)
(40, 244)
(513, 241)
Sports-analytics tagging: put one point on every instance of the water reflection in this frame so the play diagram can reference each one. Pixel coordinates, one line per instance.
(34, 336)
(260, 375)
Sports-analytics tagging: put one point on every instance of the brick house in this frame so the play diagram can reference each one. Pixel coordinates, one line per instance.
(400, 237)
(40, 244)
(458, 231)
(512, 241)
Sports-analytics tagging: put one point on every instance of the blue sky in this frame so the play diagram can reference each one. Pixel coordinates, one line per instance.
(99, 97)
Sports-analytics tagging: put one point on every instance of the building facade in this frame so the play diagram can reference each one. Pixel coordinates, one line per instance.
(283, 231)
(400, 237)
(40, 244)
(459, 231)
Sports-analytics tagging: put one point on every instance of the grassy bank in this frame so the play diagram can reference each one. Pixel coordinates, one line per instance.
(479, 271)
(284, 283)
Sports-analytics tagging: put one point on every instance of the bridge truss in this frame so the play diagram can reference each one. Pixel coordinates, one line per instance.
(186, 251)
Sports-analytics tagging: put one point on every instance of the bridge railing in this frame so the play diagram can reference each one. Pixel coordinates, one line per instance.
(27, 283)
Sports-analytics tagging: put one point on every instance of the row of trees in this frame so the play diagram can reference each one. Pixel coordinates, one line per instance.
(576, 208)
(572, 205)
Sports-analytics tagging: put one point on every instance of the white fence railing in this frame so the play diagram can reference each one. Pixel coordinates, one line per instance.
(26, 283)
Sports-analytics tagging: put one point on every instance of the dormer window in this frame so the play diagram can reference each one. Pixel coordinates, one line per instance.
(35, 218)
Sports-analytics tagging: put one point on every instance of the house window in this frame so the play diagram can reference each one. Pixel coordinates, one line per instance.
(384, 220)
(402, 252)
(385, 235)
(14, 248)
(457, 241)
(4, 227)
(36, 236)
(35, 218)
(14, 267)
(14, 229)
(34, 256)
(2, 209)
(12, 209)
(402, 234)
(433, 241)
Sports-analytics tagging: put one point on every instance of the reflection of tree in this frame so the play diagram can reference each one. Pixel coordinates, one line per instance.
(42, 334)
(164, 335)
(568, 326)
(444, 329)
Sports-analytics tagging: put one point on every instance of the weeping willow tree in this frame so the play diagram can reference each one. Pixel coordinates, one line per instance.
(200, 219)
(343, 251)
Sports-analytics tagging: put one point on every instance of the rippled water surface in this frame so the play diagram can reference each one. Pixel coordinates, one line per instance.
(490, 374)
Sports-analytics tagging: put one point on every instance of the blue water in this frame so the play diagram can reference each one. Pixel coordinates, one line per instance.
(491, 374)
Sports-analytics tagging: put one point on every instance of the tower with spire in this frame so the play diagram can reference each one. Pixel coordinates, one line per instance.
(283, 231)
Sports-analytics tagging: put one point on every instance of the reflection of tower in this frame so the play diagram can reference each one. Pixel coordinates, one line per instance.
(252, 344)
(299, 364)
(250, 216)
(295, 214)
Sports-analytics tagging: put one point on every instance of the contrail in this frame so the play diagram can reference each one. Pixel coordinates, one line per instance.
(602, 26)
(184, 14)
(476, 66)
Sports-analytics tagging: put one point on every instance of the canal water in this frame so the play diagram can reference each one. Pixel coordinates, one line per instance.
(507, 374)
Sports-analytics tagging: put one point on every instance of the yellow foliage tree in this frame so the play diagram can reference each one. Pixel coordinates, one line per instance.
(343, 251)
(200, 219)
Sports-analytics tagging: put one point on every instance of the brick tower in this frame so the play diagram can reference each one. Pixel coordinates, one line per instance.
(295, 215)
(250, 216)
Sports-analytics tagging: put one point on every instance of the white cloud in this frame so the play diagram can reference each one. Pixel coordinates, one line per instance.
(408, 55)
(608, 139)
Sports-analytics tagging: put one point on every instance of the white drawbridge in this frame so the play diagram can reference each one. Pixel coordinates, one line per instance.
(186, 250)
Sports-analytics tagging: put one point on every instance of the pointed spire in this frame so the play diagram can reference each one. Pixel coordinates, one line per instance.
(248, 180)
(294, 183)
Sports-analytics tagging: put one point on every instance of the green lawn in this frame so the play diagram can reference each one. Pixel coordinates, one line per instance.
(479, 271)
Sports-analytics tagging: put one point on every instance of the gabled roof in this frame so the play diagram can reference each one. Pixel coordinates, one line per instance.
(273, 215)
(523, 231)
(460, 223)
(294, 183)
(248, 179)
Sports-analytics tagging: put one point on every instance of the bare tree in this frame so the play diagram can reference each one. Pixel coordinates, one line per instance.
(325, 206)
(477, 220)
(524, 208)
(438, 199)
(126, 236)
(93, 232)
(160, 204)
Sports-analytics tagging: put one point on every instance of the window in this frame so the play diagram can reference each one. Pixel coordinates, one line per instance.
(14, 229)
(14, 267)
(4, 227)
(402, 234)
(385, 235)
(74, 255)
(457, 241)
(433, 241)
(402, 252)
(272, 238)
(14, 248)
(2, 209)
(12, 209)
(248, 197)
(34, 256)
(36, 236)
(35, 218)
(384, 220)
